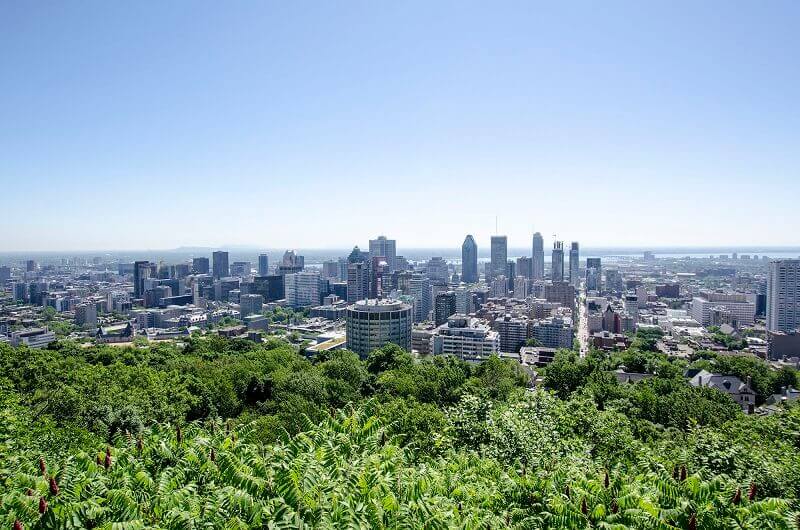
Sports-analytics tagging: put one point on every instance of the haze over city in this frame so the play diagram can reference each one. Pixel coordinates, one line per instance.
(313, 125)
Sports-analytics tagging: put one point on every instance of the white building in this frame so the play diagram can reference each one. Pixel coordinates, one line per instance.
(33, 338)
(470, 339)
(302, 289)
(783, 295)
(742, 311)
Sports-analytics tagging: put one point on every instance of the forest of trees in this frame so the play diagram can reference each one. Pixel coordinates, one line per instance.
(227, 433)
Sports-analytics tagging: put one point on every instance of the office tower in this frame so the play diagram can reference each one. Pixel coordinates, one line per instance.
(557, 262)
(783, 295)
(250, 304)
(562, 293)
(220, 264)
(141, 272)
(614, 281)
(357, 281)
(499, 256)
(291, 263)
(593, 274)
(200, 265)
(270, 287)
(521, 287)
(538, 256)
(342, 263)
(553, 332)
(240, 269)
(20, 292)
(525, 268)
(302, 289)
(30, 266)
(378, 276)
(420, 289)
(179, 270)
(444, 306)
(437, 270)
(574, 264)
(5, 275)
(469, 260)
(330, 269)
(386, 248)
(263, 265)
(375, 323)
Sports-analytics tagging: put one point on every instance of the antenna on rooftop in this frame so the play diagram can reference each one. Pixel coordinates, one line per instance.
(496, 231)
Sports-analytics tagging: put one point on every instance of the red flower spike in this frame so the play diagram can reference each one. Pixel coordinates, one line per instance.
(693, 522)
(42, 505)
(17, 525)
(684, 474)
(584, 506)
(53, 486)
(737, 497)
(42, 466)
(751, 493)
(107, 462)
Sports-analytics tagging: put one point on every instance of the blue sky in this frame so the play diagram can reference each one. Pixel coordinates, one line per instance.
(321, 124)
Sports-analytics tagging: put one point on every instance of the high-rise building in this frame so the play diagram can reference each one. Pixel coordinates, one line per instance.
(594, 272)
(141, 272)
(438, 271)
(86, 315)
(513, 332)
(469, 260)
(524, 268)
(557, 262)
(386, 248)
(302, 289)
(357, 281)
(419, 288)
(200, 265)
(499, 256)
(220, 267)
(574, 264)
(444, 307)
(263, 265)
(783, 295)
(291, 263)
(537, 256)
(30, 266)
(250, 304)
(241, 269)
(375, 323)
(5, 275)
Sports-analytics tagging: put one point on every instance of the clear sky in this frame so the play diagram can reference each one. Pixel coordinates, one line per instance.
(321, 124)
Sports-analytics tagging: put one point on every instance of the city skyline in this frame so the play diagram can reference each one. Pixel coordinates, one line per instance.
(662, 124)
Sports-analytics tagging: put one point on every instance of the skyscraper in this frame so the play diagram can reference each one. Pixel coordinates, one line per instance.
(357, 281)
(538, 256)
(557, 262)
(469, 260)
(783, 295)
(593, 274)
(220, 267)
(525, 268)
(386, 248)
(200, 265)
(141, 271)
(499, 256)
(263, 265)
(574, 264)
(444, 307)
